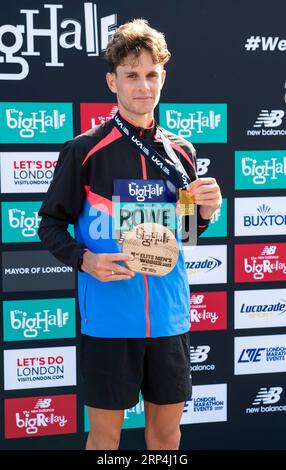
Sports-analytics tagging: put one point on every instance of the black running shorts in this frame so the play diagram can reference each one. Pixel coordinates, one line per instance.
(114, 370)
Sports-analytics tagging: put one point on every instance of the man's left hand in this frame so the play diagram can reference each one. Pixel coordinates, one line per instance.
(207, 195)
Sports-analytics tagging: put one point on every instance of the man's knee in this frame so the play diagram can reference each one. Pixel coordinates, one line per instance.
(160, 439)
(103, 440)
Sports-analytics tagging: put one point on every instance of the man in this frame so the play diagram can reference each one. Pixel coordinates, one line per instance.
(135, 327)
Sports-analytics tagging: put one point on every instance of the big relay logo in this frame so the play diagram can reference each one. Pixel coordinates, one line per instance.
(208, 311)
(260, 262)
(40, 416)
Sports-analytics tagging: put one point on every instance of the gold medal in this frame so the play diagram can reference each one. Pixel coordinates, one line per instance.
(187, 202)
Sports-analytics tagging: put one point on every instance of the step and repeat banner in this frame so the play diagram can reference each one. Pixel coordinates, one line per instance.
(226, 93)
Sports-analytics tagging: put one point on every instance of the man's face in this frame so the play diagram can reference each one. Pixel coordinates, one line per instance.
(137, 83)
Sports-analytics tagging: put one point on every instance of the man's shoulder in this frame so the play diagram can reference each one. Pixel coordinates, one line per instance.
(85, 141)
(178, 140)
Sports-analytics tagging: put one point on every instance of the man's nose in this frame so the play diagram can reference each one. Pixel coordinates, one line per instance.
(143, 84)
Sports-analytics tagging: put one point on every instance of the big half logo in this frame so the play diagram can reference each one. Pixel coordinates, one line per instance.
(39, 368)
(39, 319)
(20, 221)
(40, 416)
(260, 216)
(260, 262)
(90, 35)
(206, 264)
(42, 123)
(260, 169)
(27, 172)
(218, 224)
(195, 122)
(260, 308)
(208, 404)
(208, 311)
(259, 354)
(94, 114)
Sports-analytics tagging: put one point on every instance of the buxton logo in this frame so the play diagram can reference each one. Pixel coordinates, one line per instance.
(197, 122)
(264, 217)
(35, 122)
(74, 35)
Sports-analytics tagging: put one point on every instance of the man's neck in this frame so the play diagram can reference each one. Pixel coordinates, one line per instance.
(145, 120)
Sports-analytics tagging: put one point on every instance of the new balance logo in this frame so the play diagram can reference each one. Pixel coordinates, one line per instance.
(43, 403)
(199, 354)
(269, 250)
(269, 118)
(265, 396)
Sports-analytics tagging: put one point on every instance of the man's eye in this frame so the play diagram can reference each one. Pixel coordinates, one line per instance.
(131, 76)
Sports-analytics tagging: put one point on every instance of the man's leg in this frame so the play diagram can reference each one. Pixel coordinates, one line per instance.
(162, 430)
(105, 429)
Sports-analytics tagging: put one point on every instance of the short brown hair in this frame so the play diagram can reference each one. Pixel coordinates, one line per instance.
(132, 37)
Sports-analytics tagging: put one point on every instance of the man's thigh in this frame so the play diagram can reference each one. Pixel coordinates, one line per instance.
(163, 419)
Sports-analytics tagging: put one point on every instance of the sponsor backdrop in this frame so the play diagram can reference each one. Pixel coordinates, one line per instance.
(226, 93)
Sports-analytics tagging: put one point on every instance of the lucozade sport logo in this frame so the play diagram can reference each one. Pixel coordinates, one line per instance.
(75, 36)
(40, 416)
(260, 262)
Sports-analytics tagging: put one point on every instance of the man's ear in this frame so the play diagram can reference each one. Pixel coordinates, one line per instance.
(110, 78)
(163, 77)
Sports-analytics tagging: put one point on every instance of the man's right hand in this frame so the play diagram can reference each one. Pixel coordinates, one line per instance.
(102, 266)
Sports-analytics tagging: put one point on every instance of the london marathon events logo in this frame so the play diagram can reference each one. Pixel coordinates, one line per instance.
(260, 169)
(94, 114)
(90, 35)
(260, 262)
(40, 416)
(195, 122)
(27, 172)
(208, 404)
(265, 308)
(259, 354)
(208, 311)
(35, 123)
(38, 319)
(260, 216)
(39, 367)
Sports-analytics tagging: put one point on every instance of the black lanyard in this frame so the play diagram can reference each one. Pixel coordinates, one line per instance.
(174, 169)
